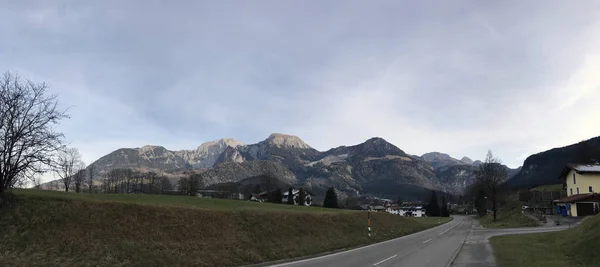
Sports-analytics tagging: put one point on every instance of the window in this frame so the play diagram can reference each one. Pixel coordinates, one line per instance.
(591, 190)
(578, 190)
(574, 179)
(571, 191)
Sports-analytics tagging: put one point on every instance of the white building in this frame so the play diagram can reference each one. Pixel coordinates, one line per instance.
(296, 194)
(407, 211)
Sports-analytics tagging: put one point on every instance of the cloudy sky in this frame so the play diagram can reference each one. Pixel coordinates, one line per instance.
(461, 77)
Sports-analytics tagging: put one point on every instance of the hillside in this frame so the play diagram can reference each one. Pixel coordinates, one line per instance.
(544, 168)
(43, 228)
(456, 175)
(235, 172)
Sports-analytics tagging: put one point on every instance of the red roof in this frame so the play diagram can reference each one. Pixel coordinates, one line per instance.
(580, 197)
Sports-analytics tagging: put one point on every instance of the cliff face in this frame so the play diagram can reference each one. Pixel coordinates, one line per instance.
(159, 158)
(207, 154)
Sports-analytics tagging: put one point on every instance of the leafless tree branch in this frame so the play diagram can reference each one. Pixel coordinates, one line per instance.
(28, 139)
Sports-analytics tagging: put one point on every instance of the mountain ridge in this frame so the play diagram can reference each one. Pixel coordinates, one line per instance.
(374, 166)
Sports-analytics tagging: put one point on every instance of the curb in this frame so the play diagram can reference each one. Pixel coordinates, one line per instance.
(455, 254)
(459, 247)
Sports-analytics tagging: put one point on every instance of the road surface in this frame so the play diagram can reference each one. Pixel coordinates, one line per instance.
(429, 248)
(477, 251)
(460, 243)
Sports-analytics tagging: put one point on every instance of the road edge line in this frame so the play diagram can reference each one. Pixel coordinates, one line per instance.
(289, 261)
(460, 246)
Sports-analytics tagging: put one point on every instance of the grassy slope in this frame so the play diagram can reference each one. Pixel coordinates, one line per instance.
(573, 247)
(548, 188)
(508, 216)
(59, 229)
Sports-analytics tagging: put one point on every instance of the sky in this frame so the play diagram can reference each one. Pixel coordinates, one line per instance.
(459, 77)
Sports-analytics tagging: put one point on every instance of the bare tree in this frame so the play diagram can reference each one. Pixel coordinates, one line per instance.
(37, 182)
(91, 172)
(489, 176)
(66, 165)
(28, 139)
(165, 184)
(183, 185)
(128, 176)
(106, 184)
(190, 185)
(79, 177)
(54, 185)
(141, 179)
(111, 178)
(151, 180)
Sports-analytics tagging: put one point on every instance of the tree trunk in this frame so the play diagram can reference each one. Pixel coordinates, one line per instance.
(1, 196)
(494, 207)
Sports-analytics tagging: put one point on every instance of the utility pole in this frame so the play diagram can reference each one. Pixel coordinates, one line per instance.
(369, 223)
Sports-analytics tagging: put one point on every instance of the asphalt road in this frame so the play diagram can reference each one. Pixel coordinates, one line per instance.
(430, 248)
(459, 243)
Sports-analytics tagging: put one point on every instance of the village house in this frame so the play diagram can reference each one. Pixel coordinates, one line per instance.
(582, 182)
(296, 197)
(259, 197)
(406, 210)
(377, 208)
(412, 211)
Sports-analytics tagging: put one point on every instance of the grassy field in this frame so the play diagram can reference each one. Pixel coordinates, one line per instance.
(175, 201)
(573, 247)
(509, 216)
(43, 228)
(548, 188)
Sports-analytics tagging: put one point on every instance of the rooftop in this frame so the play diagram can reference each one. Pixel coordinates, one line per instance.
(580, 168)
(579, 197)
(585, 167)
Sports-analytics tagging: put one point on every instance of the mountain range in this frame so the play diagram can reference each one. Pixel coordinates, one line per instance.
(374, 167)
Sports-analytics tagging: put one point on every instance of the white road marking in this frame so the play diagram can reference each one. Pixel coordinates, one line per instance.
(426, 241)
(356, 249)
(448, 229)
(385, 260)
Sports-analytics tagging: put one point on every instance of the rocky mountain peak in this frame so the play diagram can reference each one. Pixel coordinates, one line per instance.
(436, 156)
(152, 149)
(285, 140)
(438, 159)
(221, 143)
(207, 154)
(377, 147)
(467, 160)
